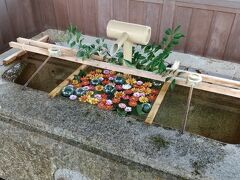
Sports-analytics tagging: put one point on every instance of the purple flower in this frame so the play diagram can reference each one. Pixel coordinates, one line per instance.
(98, 96)
(126, 86)
(139, 83)
(110, 78)
(73, 97)
(128, 109)
(106, 71)
(109, 102)
(141, 94)
(101, 78)
(91, 88)
(136, 94)
(122, 105)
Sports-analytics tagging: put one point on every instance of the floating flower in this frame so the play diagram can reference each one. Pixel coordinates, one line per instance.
(118, 94)
(128, 109)
(111, 78)
(126, 86)
(105, 82)
(93, 100)
(101, 78)
(143, 99)
(86, 88)
(108, 107)
(152, 98)
(73, 97)
(116, 100)
(84, 79)
(119, 80)
(147, 84)
(139, 83)
(132, 103)
(112, 72)
(106, 71)
(126, 97)
(95, 82)
(118, 87)
(155, 92)
(128, 92)
(101, 105)
(127, 76)
(99, 88)
(89, 93)
(109, 102)
(131, 81)
(104, 96)
(147, 91)
(85, 83)
(133, 98)
(142, 94)
(83, 98)
(98, 96)
(122, 105)
(136, 94)
(98, 71)
(91, 88)
(74, 82)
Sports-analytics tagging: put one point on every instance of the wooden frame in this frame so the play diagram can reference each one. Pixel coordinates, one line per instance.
(209, 83)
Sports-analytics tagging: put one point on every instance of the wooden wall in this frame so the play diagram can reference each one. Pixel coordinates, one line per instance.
(211, 27)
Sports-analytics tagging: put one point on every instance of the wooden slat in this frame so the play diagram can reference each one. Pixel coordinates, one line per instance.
(135, 8)
(180, 81)
(61, 13)
(20, 53)
(121, 10)
(157, 103)
(58, 89)
(198, 32)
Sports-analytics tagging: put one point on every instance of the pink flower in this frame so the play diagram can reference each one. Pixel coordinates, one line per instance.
(119, 87)
(142, 94)
(73, 97)
(91, 88)
(111, 78)
(136, 94)
(126, 97)
(106, 71)
(128, 109)
(109, 102)
(122, 105)
(139, 83)
(98, 96)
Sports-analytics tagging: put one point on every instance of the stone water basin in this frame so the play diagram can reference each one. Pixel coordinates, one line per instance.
(211, 115)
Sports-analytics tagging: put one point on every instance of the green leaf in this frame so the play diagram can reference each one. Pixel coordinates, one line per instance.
(128, 63)
(178, 36)
(177, 28)
(168, 31)
(98, 41)
(139, 110)
(80, 54)
(72, 44)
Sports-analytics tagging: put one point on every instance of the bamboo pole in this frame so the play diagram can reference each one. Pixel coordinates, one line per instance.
(14, 56)
(211, 87)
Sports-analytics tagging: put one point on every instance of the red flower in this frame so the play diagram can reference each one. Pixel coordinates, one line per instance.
(85, 83)
(105, 82)
(126, 97)
(84, 79)
(128, 92)
(155, 92)
(152, 98)
(101, 105)
(116, 100)
(104, 96)
(108, 107)
(133, 98)
(132, 103)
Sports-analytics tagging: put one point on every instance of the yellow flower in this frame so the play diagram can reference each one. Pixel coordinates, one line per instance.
(99, 88)
(89, 93)
(98, 71)
(131, 81)
(147, 84)
(118, 94)
(143, 99)
(127, 76)
(93, 100)
(74, 82)
(147, 91)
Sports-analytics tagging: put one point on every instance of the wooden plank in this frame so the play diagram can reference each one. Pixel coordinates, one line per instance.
(58, 89)
(153, 19)
(167, 16)
(20, 53)
(75, 14)
(233, 49)
(183, 18)
(136, 12)
(198, 32)
(219, 34)
(104, 65)
(157, 103)
(105, 14)
(121, 10)
(61, 13)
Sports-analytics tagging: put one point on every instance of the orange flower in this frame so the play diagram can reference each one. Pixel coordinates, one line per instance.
(147, 90)
(116, 100)
(89, 93)
(78, 85)
(155, 91)
(118, 94)
(132, 103)
(74, 82)
(129, 91)
(133, 98)
(101, 105)
(99, 88)
(112, 72)
(152, 98)
(108, 107)
(105, 82)
(83, 98)
(85, 83)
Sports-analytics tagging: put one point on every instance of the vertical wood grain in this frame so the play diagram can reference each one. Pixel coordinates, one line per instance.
(121, 10)
(219, 35)
(104, 15)
(61, 13)
(198, 32)
(75, 13)
(153, 19)
(90, 18)
(233, 47)
(167, 16)
(136, 12)
(183, 18)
